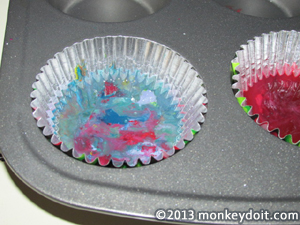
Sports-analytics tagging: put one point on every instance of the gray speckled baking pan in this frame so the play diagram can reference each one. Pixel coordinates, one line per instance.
(231, 163)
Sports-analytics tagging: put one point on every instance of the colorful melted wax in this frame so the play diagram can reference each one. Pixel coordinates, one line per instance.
(117, 114)
(276, 100)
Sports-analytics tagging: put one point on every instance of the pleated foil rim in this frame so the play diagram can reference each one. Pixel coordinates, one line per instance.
(267, 54)
(149, 57)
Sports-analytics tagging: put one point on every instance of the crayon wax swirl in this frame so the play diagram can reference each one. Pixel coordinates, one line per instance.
(276, 99)
(117, 114)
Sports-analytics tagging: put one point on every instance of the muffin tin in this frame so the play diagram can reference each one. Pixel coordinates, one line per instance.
(109, 10)
(264, 8)
(231, 163)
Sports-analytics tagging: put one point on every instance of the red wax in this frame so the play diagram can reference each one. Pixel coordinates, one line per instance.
(276, 100)
(110, 88)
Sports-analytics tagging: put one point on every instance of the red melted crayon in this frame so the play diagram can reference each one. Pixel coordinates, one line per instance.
(110, 88)
(230, 7)
(276, 100)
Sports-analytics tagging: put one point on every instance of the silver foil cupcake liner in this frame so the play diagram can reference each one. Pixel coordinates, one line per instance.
(119, 99)
(266, 71)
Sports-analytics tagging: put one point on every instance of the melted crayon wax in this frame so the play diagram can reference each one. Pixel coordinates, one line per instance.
(119, 119)
(276, 100)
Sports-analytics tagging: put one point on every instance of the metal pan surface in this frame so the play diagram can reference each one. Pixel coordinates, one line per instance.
(231, 163)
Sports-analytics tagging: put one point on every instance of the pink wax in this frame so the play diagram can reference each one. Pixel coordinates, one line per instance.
(276, 100)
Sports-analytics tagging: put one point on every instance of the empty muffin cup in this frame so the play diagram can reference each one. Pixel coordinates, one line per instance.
(119, 99)
(266, 74)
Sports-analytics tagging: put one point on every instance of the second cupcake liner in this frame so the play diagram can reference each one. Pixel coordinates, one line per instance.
(266, 79)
